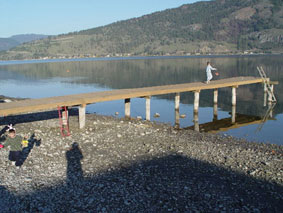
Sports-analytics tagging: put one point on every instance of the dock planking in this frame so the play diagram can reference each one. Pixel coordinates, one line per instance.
(33, 105)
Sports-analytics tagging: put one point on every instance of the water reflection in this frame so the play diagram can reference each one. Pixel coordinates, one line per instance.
(226, 124)
(52, 79)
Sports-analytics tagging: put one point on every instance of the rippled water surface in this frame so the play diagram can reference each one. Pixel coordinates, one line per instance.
(37, 79)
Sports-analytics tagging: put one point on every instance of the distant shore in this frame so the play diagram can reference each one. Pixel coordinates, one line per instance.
(58, 59)
(9, 99)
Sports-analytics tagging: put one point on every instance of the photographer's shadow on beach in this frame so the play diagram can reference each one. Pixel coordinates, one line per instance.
(74, 167)
(7, 199)
(32, 141)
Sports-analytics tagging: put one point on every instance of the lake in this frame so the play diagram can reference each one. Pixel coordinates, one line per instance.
(37, 79)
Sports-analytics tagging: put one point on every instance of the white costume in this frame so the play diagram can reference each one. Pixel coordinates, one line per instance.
(208, 72)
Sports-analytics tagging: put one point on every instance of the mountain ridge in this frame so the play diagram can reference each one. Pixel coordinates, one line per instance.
(22, 38)
(209, 27)
(15, 40)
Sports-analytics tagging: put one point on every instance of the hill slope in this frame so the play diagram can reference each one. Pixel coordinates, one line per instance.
(13, 41)
(220, 26)
(7, 43)
(22, 38)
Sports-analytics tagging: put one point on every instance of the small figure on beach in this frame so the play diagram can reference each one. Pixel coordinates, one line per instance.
(209, 76)
(15, 142)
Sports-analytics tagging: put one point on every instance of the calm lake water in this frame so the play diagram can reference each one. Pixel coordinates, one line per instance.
(37, 79)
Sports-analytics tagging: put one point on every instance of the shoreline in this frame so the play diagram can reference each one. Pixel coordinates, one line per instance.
(129, 165)
(41, 60)
(4, 99)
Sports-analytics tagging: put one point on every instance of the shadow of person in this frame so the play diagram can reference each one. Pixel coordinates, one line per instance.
(7, 200)
(26, 150)
(173, 182)
(74, 167)
(2, 131)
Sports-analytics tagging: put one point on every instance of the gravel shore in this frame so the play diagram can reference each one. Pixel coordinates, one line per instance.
(116, 165)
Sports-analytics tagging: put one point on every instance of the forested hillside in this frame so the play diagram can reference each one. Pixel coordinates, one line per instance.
(213, 27)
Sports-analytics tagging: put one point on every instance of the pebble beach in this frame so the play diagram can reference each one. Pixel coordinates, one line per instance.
(118, 165)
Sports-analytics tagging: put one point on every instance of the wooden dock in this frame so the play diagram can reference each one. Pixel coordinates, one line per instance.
(81, 100)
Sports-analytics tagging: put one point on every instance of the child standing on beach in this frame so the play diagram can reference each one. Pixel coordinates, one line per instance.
(15, 143)
(209, 68)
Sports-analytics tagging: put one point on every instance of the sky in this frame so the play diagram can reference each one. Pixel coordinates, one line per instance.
(53, 17)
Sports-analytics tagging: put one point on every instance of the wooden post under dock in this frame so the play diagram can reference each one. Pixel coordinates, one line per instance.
(128, 108)
(234, 99)
(264, 94)
(215, 104)
(270, 93)
(82, 112)
(196, 121)
(233, 114)
(177, 110)
(147, 108)
(215, 112)
(270, 98)
(196, 100)
(196, 109)
(270, 106)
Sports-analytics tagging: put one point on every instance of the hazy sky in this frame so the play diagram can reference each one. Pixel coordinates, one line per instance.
(52, 17)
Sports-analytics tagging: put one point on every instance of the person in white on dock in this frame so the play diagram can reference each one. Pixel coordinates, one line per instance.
(208, 72)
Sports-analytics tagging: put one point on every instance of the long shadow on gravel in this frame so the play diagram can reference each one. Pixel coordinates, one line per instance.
(26, 150)
(37, 116)
(7, 200)
(74, 167)
(166, 183)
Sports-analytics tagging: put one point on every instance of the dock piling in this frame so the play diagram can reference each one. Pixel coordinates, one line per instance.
(196, 100)
(270, 93)
(82, 111)
(233, 114)
(128, 108)
(234, 98)
(215, 104)
(215, 96)
(196, 108)
(215, 112)
(265, 94)
(147, 108)
(196, 121)
(177, 110)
